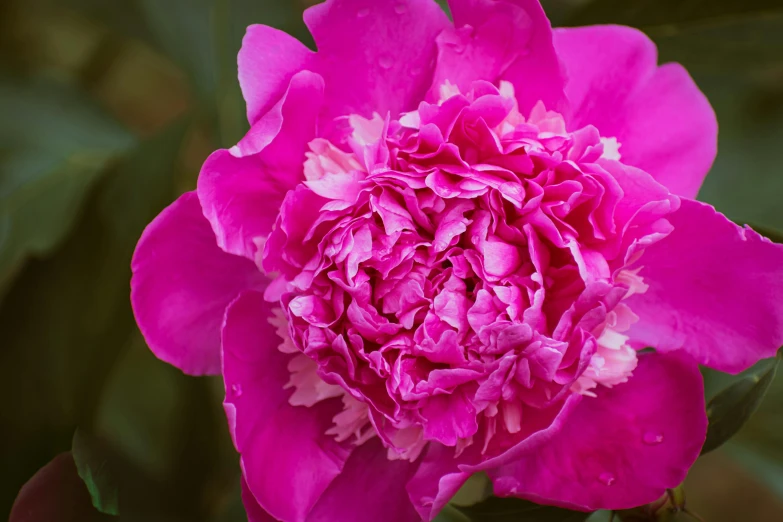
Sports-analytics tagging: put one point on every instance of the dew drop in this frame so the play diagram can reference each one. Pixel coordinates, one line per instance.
(606, 478)
(363, 12)
(458, 48)
(400, 8)
(385, 62)
(236, 390)
(651, 438)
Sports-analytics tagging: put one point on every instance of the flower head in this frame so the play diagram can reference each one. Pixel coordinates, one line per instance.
(438, 250)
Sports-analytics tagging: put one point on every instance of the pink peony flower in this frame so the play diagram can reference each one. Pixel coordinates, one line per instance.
(438, 250)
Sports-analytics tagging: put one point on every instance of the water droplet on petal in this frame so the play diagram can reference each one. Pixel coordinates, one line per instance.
(236, 390)
(652, 438)
(400, 8)
(385, 62)
(458, 48)
(606, 478)
(363, 12)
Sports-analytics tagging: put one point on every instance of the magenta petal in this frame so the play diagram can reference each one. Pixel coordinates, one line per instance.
(181, 285)
(714, 291)
(663, 123)
(371, 487)
(241, 190)
(255, 513)
(287, 458)
(268, 60)
(622, 449)
(503, 40)
(436, 480)
(375, 56)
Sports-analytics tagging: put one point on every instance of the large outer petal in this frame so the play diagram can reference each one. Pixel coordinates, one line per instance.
(375, 56)
(268, 60)
(664, 123)
(241, 190)
(507, 40)
(714, 291)
(288, 460)
(181, 285)
(622, 449)
(371, 487)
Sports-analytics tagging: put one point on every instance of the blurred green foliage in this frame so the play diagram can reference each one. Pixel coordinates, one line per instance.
(108, 108)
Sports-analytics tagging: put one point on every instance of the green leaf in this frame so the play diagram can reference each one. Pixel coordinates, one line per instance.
(67, 318)
(54, 145)
(495, 509)
(444, 4)
(93, 468)
(183, 28)
(730, 409)
(762, 465)
(139, 420)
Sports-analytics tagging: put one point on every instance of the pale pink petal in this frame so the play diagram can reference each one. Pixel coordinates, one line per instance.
(502, 40)
(241, 190)
(662, 122)
(622, 449)
(370, 487)
(268, 60)
(287, 458)
(181, 285)
(375, 56)
(714, 291)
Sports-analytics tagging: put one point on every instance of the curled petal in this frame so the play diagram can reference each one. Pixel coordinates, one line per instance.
(181, 285)
(268, 60)
(241, 189)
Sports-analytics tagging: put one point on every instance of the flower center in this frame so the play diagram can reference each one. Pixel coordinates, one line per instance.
(455, 274)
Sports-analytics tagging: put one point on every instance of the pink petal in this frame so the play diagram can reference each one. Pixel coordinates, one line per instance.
(268, 60)
(287, 458)
(714, 291)
(506, 40)
(436, 480)
(255, 513)
(371, 487)
(663, 123)
(622, 449)
(375, 56)
(181, 285)
(241, 190)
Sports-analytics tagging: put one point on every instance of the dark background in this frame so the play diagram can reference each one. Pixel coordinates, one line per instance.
(107, 110)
